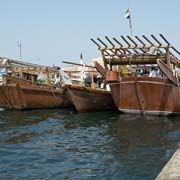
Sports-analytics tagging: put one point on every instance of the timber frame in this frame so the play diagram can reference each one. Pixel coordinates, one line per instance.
(137, 50)
(19, 67)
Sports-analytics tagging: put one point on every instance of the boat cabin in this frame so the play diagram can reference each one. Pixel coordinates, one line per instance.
(29, 76)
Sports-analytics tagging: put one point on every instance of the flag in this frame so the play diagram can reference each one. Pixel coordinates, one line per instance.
(127, 14)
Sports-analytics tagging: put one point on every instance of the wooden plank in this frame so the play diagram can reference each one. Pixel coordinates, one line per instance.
(102, 42)
(164, 39)
(140, 41)
(77, 64)
(135, 47)
(134, 44)
(167, 71)
(120, 45)
(148, 40)
(117, 42)
(125, 41)
(132, 61)
(100, 69)
(104, 60)
(110, 41)
(156, 40)
(168, 57)
(95, 43)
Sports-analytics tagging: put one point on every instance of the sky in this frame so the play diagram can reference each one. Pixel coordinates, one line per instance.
(52, 31)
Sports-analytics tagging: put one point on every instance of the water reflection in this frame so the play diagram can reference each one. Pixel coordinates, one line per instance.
(21, 126)
(143, 129)
(62, 144)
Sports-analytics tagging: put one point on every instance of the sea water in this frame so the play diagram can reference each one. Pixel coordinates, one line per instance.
(64, 145)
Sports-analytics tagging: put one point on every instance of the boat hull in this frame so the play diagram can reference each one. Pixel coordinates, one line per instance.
(146, 95)
(88, 99)
(22, 95)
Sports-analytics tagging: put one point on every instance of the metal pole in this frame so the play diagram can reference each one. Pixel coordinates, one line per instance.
(130, 25)
(20, 50)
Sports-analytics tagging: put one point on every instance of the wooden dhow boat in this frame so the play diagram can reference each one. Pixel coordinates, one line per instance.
(90, 98)
(20, 88)
(129, 66)
(87, 99)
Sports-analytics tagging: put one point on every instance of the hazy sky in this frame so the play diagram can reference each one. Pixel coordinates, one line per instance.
(55, 30)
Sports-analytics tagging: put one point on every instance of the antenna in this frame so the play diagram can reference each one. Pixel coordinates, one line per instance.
(19, 45)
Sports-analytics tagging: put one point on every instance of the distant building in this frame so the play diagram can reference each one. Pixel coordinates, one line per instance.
(78, 73)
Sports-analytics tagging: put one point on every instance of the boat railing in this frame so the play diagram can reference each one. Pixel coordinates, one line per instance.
(15, 80)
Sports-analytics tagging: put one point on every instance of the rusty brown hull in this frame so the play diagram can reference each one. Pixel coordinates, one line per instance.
(146, 95)
(87, 99)
(21, 96)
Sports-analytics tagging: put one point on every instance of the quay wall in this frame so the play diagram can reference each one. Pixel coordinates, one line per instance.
(171, 170)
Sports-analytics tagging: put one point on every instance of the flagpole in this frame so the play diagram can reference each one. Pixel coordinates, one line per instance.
(128, 16)
(130, 26)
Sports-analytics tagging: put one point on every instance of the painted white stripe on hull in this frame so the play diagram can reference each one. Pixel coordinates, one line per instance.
(134, 111)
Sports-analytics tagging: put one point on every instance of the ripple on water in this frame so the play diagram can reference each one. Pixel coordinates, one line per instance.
(61, 144)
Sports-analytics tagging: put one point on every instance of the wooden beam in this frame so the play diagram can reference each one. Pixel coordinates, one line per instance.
(102, 42)
(128, 61)
(134, 44)
(131, 60)
(110, 41)
(167, 71)
(100, 69)
(168, 57)
(164, 39)
(77, 64)
(48, 76)
(103, 57)
(117, 42)
(140, 41)
(169, 44)
(135, 47)
(125, 41)
(148, 40)
(95, 43)
(132, 40)
(156, 40)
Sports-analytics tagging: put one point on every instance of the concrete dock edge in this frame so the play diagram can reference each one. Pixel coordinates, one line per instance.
(171, 170)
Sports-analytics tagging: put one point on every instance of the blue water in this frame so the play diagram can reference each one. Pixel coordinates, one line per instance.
(61, 144)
